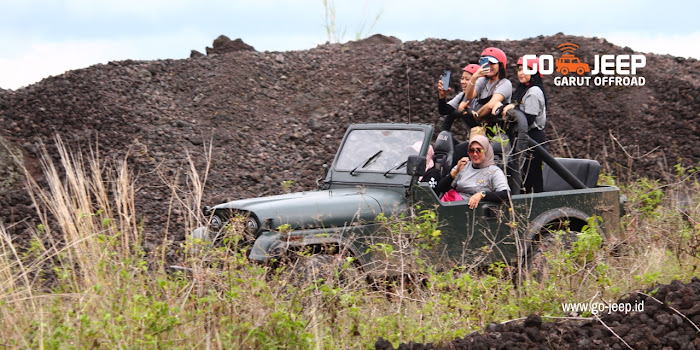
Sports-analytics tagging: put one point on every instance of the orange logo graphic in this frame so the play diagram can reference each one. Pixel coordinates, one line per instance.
(607, 70)
(568, 62)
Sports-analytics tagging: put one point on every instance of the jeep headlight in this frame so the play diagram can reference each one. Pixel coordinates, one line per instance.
(216, 223)
(253, 225)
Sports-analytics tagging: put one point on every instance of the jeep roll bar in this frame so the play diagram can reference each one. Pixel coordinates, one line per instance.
(524, 141)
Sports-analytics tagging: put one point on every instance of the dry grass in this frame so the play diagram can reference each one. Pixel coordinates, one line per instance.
(85, 282)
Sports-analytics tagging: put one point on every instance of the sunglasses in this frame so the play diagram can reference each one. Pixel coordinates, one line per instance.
(476, 150)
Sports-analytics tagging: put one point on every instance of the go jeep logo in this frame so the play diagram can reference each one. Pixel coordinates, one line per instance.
(608, 70)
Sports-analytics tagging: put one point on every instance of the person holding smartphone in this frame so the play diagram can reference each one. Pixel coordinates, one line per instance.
(454, 109)
(488, 86)
(529, 97)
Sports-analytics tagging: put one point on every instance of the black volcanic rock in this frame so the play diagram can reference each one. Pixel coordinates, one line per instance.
(671, 327)
(276, 116)
(223, 44)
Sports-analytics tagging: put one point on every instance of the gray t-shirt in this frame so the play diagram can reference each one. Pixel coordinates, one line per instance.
(533, 103)
(485, 89)
(456, 100)
(459, 99)
(472, 180)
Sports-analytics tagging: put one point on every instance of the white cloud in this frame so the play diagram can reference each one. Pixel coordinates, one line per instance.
(687, 45)
(60, 35)
(39, 59)
(42, 59)
(132, 7)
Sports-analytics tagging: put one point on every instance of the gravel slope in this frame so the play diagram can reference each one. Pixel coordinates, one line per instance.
(276, 116)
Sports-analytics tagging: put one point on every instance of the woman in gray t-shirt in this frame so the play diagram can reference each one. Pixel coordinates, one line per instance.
(476, 177)
(529, 97)
(488, 85)
(454, 109)
(489, 88)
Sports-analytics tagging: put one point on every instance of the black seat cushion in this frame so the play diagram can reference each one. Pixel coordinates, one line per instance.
(586, 170)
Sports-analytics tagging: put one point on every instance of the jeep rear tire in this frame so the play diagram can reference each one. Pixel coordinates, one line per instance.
(547, 244)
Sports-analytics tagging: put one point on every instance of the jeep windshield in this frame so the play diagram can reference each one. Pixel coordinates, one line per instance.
(361, 150)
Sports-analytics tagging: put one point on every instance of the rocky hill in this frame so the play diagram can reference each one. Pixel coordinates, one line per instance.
(276, 116)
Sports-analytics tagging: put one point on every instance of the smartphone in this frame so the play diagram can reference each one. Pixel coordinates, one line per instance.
(483, 61)
(446, 79)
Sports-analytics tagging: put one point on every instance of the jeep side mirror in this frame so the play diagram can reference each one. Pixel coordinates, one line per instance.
(321, 183)
(415, 165)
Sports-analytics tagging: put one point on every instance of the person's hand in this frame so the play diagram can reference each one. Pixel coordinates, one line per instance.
(482, 71)
(460, 165)
(508, 108)
(442, 93)
(496, 106)
(474, 200)
(463, 105)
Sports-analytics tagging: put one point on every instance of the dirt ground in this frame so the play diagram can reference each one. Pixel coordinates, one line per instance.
(276, 116)
(668, 321)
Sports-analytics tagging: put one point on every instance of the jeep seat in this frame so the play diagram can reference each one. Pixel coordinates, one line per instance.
(586, 170)
(444, 150)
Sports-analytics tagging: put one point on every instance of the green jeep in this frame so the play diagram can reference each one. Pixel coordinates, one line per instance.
(375, 174)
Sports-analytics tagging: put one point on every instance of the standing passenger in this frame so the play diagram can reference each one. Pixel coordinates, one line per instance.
(490, 88)
(529, 97)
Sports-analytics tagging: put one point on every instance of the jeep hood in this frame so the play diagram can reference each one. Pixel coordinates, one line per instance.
(314, 209)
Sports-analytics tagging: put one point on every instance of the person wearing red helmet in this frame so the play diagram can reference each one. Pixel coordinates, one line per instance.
(488, 85)
(529, 97)
(488, 88)
(454, 109)
(471, 68)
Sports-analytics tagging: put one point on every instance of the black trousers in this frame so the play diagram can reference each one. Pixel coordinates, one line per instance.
(532, 169)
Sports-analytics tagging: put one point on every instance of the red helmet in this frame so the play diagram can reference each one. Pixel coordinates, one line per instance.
(495, 53)
(531, 62)
(471, 68)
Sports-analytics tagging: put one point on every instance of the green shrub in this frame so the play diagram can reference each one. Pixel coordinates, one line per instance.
(83, 281)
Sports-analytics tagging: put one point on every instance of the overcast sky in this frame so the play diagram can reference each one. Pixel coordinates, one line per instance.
(39, 38)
